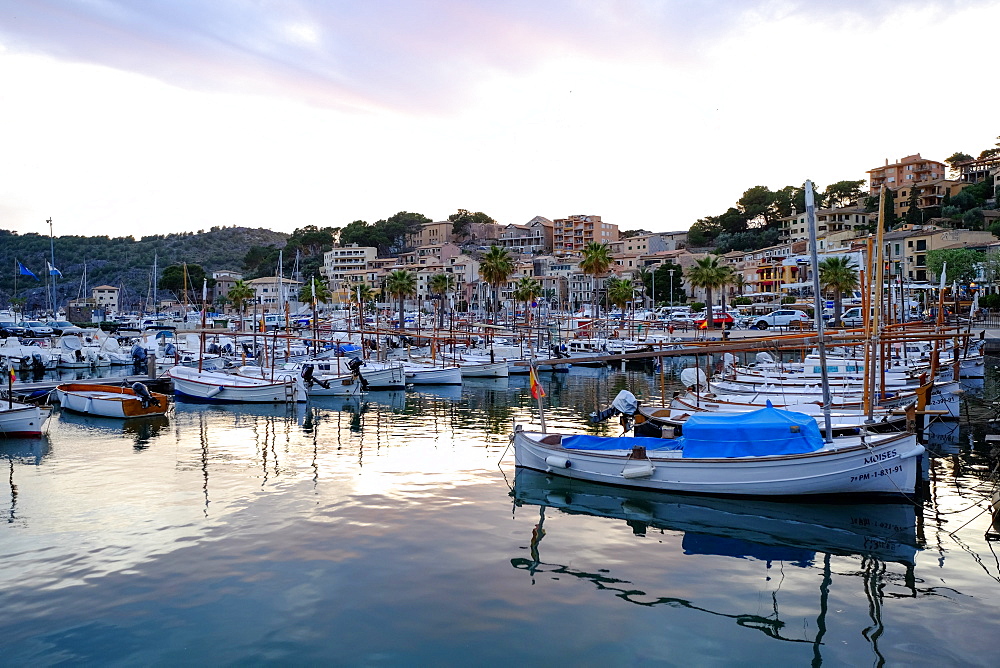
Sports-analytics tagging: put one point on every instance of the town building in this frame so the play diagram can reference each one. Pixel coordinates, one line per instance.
(273, 292)
(105, 298)
(904, 172)
(906, 248)
(532, 238)
(572, 234)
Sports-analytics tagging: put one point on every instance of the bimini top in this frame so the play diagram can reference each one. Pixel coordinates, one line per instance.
(768, 431)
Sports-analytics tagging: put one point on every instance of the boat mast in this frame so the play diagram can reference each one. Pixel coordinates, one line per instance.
(817, 309)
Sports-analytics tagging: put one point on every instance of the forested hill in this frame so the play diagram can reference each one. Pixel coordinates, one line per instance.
(124, 262)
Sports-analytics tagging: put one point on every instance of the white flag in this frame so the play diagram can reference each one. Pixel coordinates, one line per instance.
(52, 270)
(944, 273)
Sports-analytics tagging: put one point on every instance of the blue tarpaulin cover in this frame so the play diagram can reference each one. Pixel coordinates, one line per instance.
(584, 442)
(768, 431)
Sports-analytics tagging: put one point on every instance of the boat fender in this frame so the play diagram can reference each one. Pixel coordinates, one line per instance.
(557, 462)
(638, 470)
(211, 392)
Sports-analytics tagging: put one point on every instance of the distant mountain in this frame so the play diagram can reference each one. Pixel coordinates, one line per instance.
(123, 262)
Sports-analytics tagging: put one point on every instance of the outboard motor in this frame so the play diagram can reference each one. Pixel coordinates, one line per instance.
(37, 363)
(145, 395)
(309, 379)
(558, 352)
(139, 357)
(355, 366)
(625, 404)
(26, 363)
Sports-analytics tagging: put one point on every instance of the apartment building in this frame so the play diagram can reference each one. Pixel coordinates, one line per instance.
(533, 237)
(906, 248)
(431, 234)
(904, 172)
(929, 194)
(272, 291)
(833, 226)
(572, 234)
(105, 297)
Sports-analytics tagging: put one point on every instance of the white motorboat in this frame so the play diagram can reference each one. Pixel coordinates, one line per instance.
(217, 387)
(425, 374)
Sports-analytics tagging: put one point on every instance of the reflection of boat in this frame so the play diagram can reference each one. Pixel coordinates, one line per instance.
(452, 392)
(768, 452)
(111, 401)
(142, 428)
(737, 527)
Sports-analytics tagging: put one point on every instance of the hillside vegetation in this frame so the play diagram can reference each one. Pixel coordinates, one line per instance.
(124, 262)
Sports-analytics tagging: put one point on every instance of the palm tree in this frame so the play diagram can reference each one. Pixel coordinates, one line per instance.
(708, 273)
(839, 274)
(441, 284)
(527, 290)
(596, 261)
(401, 284)
(241, 293)
(323, 293)
(496, 268)
(620, 291)
(360, 294)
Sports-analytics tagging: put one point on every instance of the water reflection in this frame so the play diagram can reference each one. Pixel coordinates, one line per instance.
(800, 535)
(142, 430)
(20, 451)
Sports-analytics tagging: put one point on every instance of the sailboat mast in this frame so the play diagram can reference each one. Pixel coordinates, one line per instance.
(818, 309)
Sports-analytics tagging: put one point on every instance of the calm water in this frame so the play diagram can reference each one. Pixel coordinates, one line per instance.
(387, 532)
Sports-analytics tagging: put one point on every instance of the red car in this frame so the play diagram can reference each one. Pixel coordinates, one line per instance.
(720, 320)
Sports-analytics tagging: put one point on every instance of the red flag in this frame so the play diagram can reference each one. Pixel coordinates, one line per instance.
(537, 391)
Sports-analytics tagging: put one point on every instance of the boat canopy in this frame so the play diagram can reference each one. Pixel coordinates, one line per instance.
(768, 431)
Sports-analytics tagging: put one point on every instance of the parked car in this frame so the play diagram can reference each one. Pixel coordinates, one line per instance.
(782, 318)
(36, 328)
(10, 328)
(852, 317)
(60, 327)
(718, 320)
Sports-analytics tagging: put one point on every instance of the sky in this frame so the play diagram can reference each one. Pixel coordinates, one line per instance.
(156, 116)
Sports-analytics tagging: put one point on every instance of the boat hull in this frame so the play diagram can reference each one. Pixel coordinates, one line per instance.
(21, 420)
(889, 465)
(190, 385)
(434, 376)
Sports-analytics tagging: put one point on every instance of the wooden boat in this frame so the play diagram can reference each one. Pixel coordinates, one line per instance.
(217, 387)
(17, 419)
(111, 401)
(768, 452)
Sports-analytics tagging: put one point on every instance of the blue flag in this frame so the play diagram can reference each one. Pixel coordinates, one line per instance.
(52, 270)
(24, 271)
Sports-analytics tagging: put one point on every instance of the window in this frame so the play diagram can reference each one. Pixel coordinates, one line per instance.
(922, 244)
(921, 260)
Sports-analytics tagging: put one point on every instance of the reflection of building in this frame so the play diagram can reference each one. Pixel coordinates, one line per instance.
(105, 297)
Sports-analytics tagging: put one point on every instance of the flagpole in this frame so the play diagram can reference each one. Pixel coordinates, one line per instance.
(52, 252)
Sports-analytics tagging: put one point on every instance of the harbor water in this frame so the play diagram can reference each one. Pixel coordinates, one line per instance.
(392, 529)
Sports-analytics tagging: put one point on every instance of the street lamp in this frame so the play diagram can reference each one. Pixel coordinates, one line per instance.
(671, 287)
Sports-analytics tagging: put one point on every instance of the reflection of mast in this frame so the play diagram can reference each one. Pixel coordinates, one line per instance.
(536, 538)
(13, 493)
(204, 457)
(873, 571)
(824, 602)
